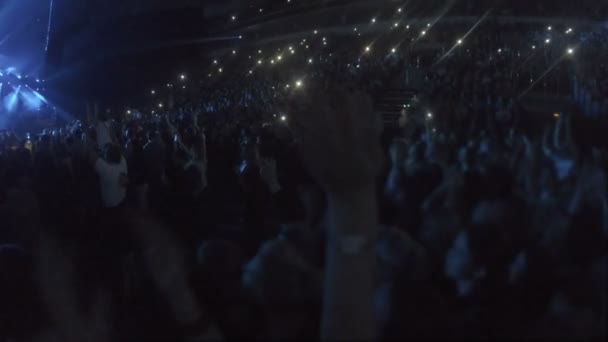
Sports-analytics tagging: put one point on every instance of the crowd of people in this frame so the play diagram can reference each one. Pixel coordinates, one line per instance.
(265, 206)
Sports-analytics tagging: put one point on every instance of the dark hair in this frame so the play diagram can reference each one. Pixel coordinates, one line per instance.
(112, 154)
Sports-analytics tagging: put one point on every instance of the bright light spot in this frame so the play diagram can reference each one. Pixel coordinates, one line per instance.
(208, 75)
(250, 72)
(310, 61)
(215, 61)
(128, 112)
(324, 43)
(182, 77)
(428, 25)
(160, 105)
(287, 86)
(261, 10)
(570, 51)
(283, 118)
(407, 27)
(315, 32)
(459, 41)
(423, 33)
(499, 50)
(569, 31)
(240, 37)
(259, 61)
(373, 20)
(234, 52)
(290, 47)
(399, 10)
(358, 66)
(429, 115)
(324, 39)
(168, 85)
(298, 84)
(153, 92)
(396, 25)
(279, 57)
(556, 115)
(547, 41)
(393, 50)
(293, 52)
(183, 87)
(220, 70)
(272, 61)
(549, 28)
(367, 49)
(355, 29)
(233, 18)
(533, 47)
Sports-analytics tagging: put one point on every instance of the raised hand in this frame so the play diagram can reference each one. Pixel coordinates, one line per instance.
(339, 136)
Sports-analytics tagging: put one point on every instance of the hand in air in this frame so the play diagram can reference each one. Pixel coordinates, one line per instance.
(338, 135)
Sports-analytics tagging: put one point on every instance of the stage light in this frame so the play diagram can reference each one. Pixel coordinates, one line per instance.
(182, 77)
(499, 50)
(373, 20)
(215, 61)
(153, 92)
(279, 57)
(549, 28)
(37, 81)
(568, 31)
(220, 70)
(283, 118)
(368, 48)
(459, 42)
(233, 18)
(556, 115)
(429, 115)
(160, 105)
(422, 33)
(287, 86)
(325, 43)
(240, 37)
(570, 51)
(315, 31)
(250, 72)
(393, 50)
(272, 61)
(399, 10)
(129, 112)
(533, 47)
(261, 10)
(208, 75)
(259, 62)
(234, 52)
(407, 27)
(547, 41)
(428, 25)
(293, 52)
(355, 29)
(259, 52)
(396, 25)
(310, 61)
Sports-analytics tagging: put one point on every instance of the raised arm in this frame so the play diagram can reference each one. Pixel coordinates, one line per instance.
(339, 137)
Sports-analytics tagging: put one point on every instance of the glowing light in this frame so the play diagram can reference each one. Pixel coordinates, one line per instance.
(259, 52)
(298, 84)
(259, 62)
(355, 29)
(287, 86)
(396, 25)
(182, 77)
(324, 38)
(279, 57)
(549, 28)
(153, 92)
(568, 31)
(220, 70)
(315, 31)
(293, 52)
(283, 118)
(234, 52)
(261, 10)
(399, 10)
(250, 72)
(128, 111)
(556, 115)
(423, 33)
(459, 42)
(368, 48)
(310, 61)
(240, 37)
(407, 27)
(499, 50)
(183, 87)
(272, 61)
(570, 51)
(215, 61)
(373, 20)
(533, 47)
(428, 25)
(233, 18)
(160, 105)
(393, 50)
(547, 41)
(324, 43)
(429, 115)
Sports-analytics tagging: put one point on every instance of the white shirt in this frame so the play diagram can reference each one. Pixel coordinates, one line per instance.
(113, 192)
(103, 133)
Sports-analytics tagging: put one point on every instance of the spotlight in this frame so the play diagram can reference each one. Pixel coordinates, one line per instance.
(428, 25)
(396, 25)
(279, 57)
(549, 28)
(423, 33)
(215, 61)
(399, 10)
(259, 62)
(393, 50)
(160, 105)
(533, 47)
(547, 41)
(153, 92)
(182, 77)
(283, 118)
(499, 50)
(259, 52)
(315, 32)
(233, 18)
(234, 52)
(298, 84)
(310, 61)
(459, 42)
(429, 115)
(272, 61)
(373, 20)
(407, 27)
(128, 111)
(220, 70)
(368, 48)
(570, 51)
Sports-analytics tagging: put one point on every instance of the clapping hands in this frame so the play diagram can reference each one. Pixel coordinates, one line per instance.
(338, 134)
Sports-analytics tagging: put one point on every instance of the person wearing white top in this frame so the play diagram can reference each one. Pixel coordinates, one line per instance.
(113, 181)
